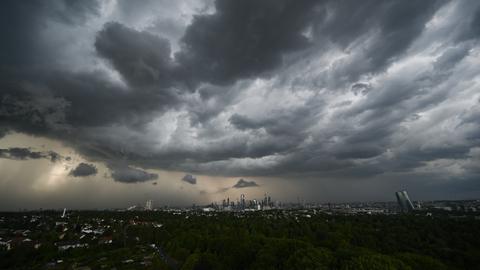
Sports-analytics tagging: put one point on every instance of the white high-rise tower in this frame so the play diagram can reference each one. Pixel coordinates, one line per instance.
(149, 205)
(404, 201)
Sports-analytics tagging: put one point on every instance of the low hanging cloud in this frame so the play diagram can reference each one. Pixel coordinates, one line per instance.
(190, 179)
(128, 174)
(245, 183)
(18, 153)
(84, 169)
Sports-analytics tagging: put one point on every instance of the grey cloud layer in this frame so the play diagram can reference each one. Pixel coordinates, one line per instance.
(127, 174)
(189, 179)
(336, 89)
(245, 183)
(84, 169)
(19, 153)
(141, 57)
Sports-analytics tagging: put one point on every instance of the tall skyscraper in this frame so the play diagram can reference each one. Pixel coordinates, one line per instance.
(404, 201)
(242, 201)
(149, 205)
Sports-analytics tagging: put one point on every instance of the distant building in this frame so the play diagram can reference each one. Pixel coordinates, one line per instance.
(404, 201)
(242, 201)
(149, 205)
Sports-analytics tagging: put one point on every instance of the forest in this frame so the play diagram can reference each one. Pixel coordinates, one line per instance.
(276, 239)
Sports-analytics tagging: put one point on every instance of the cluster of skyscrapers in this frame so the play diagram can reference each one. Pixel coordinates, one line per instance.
(244, 204)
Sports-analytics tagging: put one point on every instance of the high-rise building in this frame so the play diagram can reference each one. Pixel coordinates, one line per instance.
(149, 205)
(404, 201)
(242, 201)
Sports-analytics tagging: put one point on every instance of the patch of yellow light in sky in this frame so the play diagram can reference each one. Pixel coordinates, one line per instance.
(48, 176)
(55, 177)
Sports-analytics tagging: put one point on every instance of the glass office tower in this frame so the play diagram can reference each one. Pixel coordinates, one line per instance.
(404, 201)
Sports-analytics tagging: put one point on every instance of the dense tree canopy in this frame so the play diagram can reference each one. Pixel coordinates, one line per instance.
(266, 240)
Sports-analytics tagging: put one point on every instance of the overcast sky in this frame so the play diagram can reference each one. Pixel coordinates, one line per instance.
(110, 103)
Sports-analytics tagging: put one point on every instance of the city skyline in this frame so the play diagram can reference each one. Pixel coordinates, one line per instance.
(106, 104)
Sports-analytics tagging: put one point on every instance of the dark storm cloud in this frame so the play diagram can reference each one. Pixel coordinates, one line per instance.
(240, 40)
(26, 153)
(243, 123)
(472, 29)
(281, 122)
(244, 38)
(141, 57)
(21, 24)
(360, 88)
(451, 57)
(400, 23)
(359, 151)
(390, 25)
(37, 97)
(189, 179)
(340, 22)
(30, 112)
(62, 101)
(127, 174)
(3, 132)
(355, 113)
(245, 183)
(84, 169)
